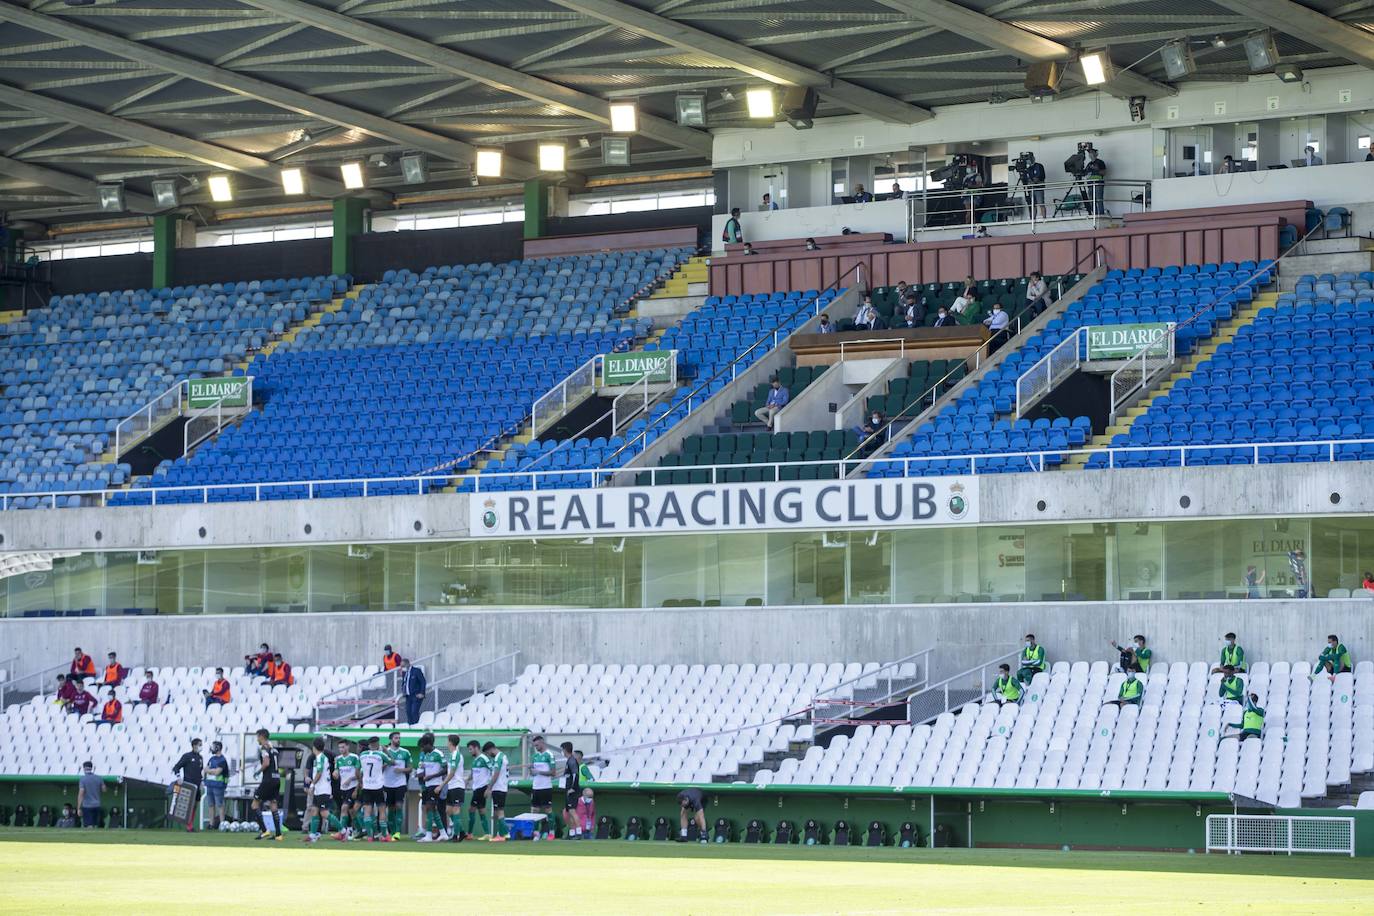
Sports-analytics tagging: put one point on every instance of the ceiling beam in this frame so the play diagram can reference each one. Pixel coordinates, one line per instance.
(759, 64)
(483, 71)
(83, 188)
(1312, 27)
(985, 30)
(259, 90)
(215, 156)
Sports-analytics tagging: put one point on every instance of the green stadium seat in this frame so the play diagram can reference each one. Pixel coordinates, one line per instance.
(739, 413)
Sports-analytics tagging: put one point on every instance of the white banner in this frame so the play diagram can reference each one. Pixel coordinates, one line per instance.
(782, 506)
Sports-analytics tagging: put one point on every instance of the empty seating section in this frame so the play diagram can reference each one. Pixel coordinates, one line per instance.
(708, 341)
(795, 380)
(417, 371)
(1303, 370)
(73, 370)
(631, 706)
(1316, 734)
(976, 423)
(759, 449)
(38, 738)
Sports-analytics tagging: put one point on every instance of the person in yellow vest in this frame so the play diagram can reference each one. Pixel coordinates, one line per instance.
(1131, 693)
(1134, 655)
(1251, 722)
(1232, 655)
(1006, 689)
(1232, 689)
(1031, 661)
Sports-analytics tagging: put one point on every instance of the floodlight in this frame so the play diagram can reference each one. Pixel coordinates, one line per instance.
(488, 164)
(760, 102)
(615, 150)
(414, 168)
(165, 193)
(1261, 51)
(1288, 73)
(112, 196)
(292, 181)
(691, 109)
(221, 189)
(624, 117)
(1097, 67)
(552, 157)
(1178, 59)
(352, 173)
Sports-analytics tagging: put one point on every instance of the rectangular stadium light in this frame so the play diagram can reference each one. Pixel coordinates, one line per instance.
(691, 109)
(293, 181)
(414, 168)
(221, 190)
(552, 157)
(1261, 51)
(112, 196)
(488, 163)
(165, 193)
(1097, 67)
(615, 150)
(352, 174)
(1178, 59)
(624, 117)
(760, 102)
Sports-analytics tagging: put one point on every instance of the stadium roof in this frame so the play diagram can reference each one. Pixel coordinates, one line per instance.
(131, 90)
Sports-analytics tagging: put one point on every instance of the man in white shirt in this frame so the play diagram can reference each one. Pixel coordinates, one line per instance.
(997, 323)
(768, 203)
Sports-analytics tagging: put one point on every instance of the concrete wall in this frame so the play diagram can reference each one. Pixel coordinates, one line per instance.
(837, 385)
(813, 222)
(963, 635)
(1327, 186)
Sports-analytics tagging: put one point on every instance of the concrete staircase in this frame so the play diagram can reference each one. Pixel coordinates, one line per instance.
(682, 293)
(311, 320)
(1184, 369)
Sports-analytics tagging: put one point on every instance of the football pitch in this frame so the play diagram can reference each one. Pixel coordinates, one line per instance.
(44, 871)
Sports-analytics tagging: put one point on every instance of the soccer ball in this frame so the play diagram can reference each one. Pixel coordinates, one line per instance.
(224, 827)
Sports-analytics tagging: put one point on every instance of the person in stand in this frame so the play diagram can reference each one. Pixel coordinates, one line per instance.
(1334, 660)
(216, 780)
(749, 249)
(826, 326)
(1309, 154)
(692, 807)
(913, 310)
(870, 433)
(997, 323)
(768, 203)
(1228, 166)
(811, 245)
(82, 665)
(1035, 186)
(1232, 688)
(896, 193)
(190, 771)
(83, 701)
(1037, 293)
(1095, 174)
(1251, 722)
(112, 713)
(1232, 655)
(1131, 693)
(943, 319)
(1253, 581)
(778, 396)
(732, 232)
(391, 659)
(266, 798)
(66, 692)
(1006, 689)
(218, 694)
(115, 673)
(1134, 656)
(965, 302)
(319, 789)
(586, 805)
(1297, 562)
(542, 766)
(413, 689)
(861, 196)
(147, 692)
(1031, 660)
(88, 791)
(279, 673)
(256, 665)
(1367, 583)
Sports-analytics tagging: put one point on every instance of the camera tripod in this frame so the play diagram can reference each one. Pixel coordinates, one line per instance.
(1085, 195)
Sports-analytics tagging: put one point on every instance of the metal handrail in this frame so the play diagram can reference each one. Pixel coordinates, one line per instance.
(513, 657)
(150, 410)
(373, 704)
(1018, 199)
(1122, 385)
(40, 676)
(941, 689)
(561, 388)
(858, 269)
(1051, 375)
(647, 398)
(220, 417)
(826, 701)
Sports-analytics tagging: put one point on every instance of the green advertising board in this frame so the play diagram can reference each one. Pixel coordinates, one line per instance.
(207, 392)
(1122, 341)
(628, 368)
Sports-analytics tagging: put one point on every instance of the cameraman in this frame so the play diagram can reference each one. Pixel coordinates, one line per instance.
(1095, 174)
(1033, 178)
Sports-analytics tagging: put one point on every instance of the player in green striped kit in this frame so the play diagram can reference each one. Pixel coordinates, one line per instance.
(452, 790)
(394, 785)
(374, 762)
(542, 767)
(349, 766)
(431, 771)
(481, 777)
(500, 778)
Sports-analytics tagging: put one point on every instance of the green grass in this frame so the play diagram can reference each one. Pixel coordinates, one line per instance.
(46, 871)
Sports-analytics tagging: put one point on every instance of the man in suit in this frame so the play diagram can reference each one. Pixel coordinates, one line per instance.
(413, 689)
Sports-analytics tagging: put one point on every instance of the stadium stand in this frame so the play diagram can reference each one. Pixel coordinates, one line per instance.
(38, 737)
(1197, 299)
(1316, 734)
(73, 370)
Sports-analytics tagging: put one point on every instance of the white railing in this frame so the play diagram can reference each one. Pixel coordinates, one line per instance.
(1140, 371)
(1239, 833)
(1016, 204)
(208, 421)
(955, 691)
(551, 406)
(641, 395)
(1052, 368)
(480, 678)
(148, 417)
(840, 703)
(351, 704)
(1047, 459)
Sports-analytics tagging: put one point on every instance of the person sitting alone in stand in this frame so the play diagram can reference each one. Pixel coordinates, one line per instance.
(997, 323)
(1334, 660)
(1006, 689)
(871, 433)
(218, 694)
(112, 713)
(147, 693)
(778, 396)
(1131, 693)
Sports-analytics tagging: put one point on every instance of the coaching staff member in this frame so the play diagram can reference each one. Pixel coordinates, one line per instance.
(693, 805)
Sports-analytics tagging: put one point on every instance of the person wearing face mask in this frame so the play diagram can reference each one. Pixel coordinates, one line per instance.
(1031, 661)
(870, 433)
(1006, 689)
(944, 319)
(1134, 656)
(1334, 660)
(1131, 693)
(1232, 655)
(997, 323)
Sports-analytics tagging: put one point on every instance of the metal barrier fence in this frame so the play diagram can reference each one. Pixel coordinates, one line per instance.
(1138, 372)
(875, 689)
(955, 691)
(1052, 368)
(1240, 833)
(1023, 205)
(554, 403)
(209, 420)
